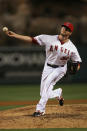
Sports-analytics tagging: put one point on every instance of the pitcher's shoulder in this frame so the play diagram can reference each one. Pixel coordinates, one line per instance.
(72, 45)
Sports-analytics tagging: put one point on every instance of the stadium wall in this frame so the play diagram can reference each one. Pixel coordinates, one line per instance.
(25, 65)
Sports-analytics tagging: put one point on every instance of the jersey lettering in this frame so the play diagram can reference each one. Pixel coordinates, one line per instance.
(63, 50)
(72, 53)
(52, 48)
(68, 52)
(56, 47)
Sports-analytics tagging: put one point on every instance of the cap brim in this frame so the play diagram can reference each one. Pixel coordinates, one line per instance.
(67, 27)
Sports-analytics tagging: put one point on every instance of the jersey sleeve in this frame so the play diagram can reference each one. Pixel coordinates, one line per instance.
(39, 40)
(75, 57)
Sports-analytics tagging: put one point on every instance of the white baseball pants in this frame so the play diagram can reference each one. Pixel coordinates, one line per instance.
(49, 78)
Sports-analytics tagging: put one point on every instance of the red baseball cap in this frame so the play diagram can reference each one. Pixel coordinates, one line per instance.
(69, 25)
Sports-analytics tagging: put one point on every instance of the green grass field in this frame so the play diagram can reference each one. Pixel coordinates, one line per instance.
(31, 92)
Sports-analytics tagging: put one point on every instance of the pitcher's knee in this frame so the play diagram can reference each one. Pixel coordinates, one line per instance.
(60, 89)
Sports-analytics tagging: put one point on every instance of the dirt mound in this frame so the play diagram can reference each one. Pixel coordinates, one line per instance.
(68, 116)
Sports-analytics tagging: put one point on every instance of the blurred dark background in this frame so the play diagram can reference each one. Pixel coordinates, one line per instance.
(23, 63)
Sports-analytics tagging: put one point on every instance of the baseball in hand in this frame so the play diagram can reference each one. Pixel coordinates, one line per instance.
(5, 29)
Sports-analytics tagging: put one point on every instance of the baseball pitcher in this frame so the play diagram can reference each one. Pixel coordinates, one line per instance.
(59, 50)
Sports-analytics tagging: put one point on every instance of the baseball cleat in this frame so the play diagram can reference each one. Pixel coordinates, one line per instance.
(38, 113)
(61, 101)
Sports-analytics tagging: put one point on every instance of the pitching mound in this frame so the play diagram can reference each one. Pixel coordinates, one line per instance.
(68, 116)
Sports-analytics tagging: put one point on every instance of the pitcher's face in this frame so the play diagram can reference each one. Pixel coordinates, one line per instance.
(65, 32)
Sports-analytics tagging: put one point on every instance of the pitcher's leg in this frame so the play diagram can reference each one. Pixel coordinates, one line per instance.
(57, 92)
(41, 105)
(51, 78)
(47, 91)
(45, 84)
(44, 96)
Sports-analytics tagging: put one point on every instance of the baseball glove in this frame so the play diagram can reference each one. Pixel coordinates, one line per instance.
(72, 67)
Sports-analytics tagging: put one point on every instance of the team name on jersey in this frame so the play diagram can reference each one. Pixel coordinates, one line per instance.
(62, 49)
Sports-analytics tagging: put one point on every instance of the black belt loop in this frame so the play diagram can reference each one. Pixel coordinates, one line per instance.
(55, 66)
